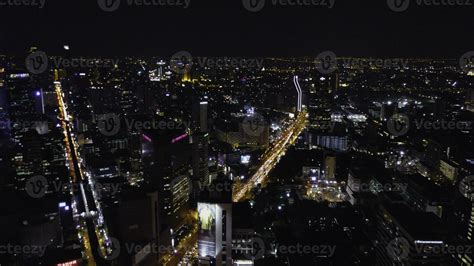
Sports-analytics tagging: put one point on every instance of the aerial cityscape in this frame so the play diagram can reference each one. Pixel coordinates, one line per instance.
(159, 151)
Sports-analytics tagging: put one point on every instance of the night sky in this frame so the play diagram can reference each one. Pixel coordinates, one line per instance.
(225, 28)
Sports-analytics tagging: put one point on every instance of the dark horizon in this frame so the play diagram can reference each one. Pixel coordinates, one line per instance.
(218, 29)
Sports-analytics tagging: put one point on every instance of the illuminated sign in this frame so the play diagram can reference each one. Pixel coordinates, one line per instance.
(179, 138)
(206, 229)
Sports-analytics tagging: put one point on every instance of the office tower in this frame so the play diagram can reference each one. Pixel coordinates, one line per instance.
(138, 222)
(200, 143)
(200, 146)
(166, 156)
(330, 166)
(203, 116)
(469, 100)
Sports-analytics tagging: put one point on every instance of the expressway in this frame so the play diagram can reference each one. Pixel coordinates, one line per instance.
(86, 209)
(271, 157)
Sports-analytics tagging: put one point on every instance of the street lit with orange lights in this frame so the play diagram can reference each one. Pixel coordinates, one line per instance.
(88, 215)
(271, 157)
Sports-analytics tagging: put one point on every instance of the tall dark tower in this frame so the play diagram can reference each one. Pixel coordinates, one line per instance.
(200, 141)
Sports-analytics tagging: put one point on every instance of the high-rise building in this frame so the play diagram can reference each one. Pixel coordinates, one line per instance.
(470, 100)
(215, 224)
(330, 166)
